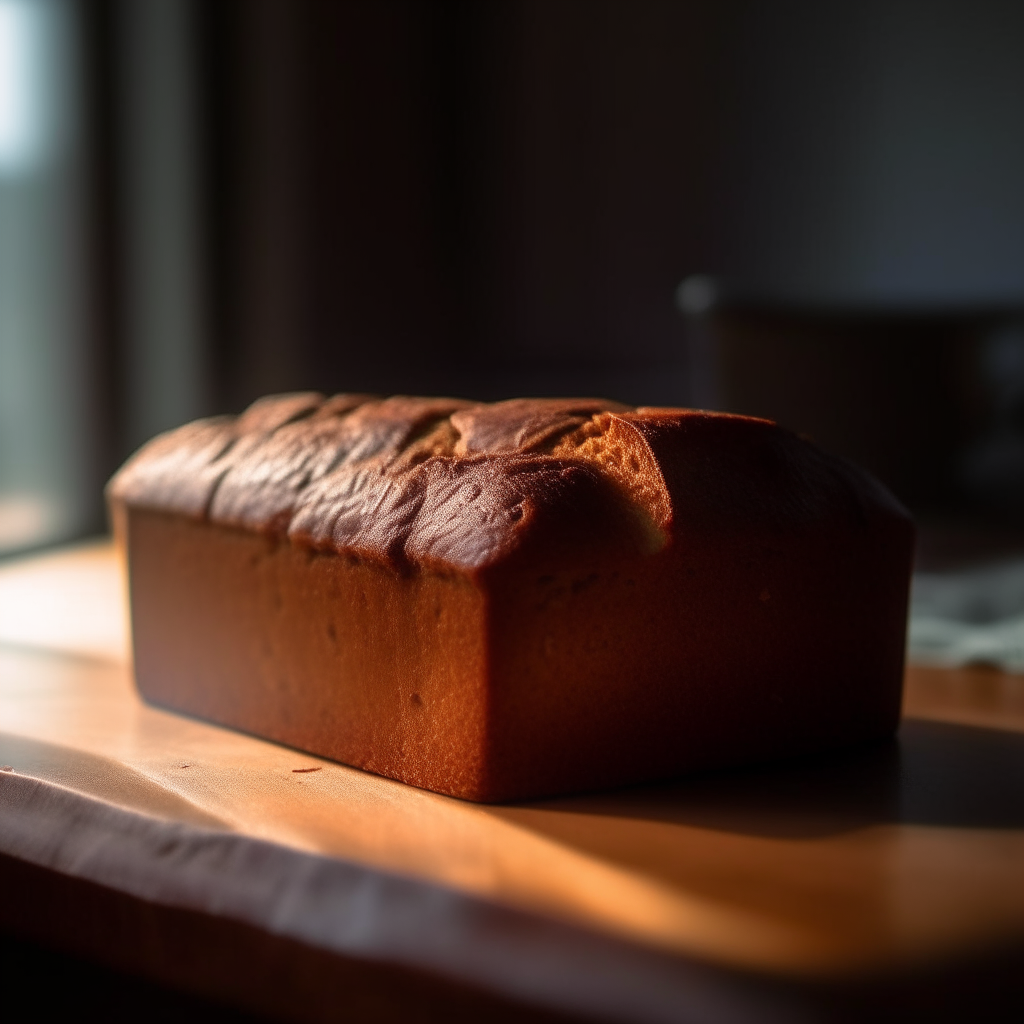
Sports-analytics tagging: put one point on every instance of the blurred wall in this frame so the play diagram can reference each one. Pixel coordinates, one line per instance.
(875, 152)
(155, 104)
(485, 199)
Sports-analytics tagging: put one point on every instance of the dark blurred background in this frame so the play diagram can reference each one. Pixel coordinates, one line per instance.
(810, 211)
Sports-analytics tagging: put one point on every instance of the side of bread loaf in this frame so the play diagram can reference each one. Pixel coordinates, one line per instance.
(518, 599)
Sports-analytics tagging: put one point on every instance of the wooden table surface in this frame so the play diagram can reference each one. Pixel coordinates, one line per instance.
(625, 905)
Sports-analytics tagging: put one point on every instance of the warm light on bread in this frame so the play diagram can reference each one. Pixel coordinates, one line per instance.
(518, 599)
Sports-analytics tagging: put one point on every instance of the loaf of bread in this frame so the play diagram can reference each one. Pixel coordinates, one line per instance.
(519, 599)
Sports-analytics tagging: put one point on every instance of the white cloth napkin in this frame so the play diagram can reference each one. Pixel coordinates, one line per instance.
(969, 617)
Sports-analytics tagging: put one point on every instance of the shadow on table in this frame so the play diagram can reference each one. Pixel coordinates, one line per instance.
(932, 773)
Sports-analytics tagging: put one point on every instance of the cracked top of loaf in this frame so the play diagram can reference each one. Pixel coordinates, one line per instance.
(451, 483)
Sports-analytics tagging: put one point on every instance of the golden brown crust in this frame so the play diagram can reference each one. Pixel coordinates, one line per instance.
(450, 482)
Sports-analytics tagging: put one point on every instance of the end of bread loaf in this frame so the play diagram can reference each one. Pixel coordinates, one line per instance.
(517, 599)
